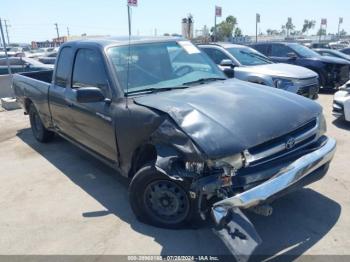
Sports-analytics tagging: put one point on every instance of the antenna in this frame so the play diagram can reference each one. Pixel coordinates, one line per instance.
(128, 67)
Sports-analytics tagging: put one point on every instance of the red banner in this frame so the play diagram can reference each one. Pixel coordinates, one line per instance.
(218, 11)
(132, 2)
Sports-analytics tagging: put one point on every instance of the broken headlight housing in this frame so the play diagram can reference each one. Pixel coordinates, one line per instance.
(229, 165)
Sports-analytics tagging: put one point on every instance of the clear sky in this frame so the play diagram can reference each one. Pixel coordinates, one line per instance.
(34, 19)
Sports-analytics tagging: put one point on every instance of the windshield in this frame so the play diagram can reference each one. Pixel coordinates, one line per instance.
(248, 56)
(161, 65)
(337, 53)
(303, 50)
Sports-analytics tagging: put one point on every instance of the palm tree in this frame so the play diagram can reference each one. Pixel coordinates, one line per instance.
(308, 24)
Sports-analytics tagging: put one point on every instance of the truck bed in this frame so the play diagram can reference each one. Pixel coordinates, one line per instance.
(33, 87)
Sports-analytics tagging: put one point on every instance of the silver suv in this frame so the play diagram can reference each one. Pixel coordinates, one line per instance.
(252, 66)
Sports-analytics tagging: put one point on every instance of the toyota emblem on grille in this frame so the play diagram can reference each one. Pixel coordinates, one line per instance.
(290, 143)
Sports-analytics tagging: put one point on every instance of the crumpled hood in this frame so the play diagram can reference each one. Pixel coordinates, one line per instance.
(227, 117)
(279, 70)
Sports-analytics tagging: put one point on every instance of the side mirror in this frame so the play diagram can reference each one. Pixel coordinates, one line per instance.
(229, 72)
(292, 55)
(89, 95)
(227, 63)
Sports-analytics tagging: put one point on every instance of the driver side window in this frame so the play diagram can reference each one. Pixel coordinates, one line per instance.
(279, 50)
(216, 55)
(89, 71)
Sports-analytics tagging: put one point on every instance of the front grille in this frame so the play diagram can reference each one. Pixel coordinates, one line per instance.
(275, 148)
(308, 91)
(342, 73)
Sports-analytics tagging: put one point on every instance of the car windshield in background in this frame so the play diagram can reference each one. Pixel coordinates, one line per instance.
(303, 50)
(248, 57)
(337, 53)
(161, 65)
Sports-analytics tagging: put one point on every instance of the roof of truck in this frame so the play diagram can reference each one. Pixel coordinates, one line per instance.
(124, 40)
(223, 45)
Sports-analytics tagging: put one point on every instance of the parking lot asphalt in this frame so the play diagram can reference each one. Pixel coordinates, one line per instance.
(57, 199)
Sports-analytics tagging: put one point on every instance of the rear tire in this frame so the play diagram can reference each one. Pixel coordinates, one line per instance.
(160, 201)
(39, 131)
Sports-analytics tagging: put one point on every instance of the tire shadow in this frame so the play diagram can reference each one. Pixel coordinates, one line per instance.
(341, 123)
(299, 220)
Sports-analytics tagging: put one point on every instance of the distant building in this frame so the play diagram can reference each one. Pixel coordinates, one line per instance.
(55, 42)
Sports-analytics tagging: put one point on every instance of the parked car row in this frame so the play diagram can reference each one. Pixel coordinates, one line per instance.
(252, 66)
(195, 144)
(333, 72)
(22, 64)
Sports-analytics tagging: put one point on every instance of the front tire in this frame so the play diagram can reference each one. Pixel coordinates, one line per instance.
(39, 131)
(160, 201)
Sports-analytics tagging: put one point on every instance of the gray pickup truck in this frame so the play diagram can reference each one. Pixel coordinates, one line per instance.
(194, 144)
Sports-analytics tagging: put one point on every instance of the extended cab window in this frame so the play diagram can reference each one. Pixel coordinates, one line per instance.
(89, 71)
(62, 71)
(280, 50)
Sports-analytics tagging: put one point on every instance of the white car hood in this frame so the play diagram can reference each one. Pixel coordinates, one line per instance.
(279, 70)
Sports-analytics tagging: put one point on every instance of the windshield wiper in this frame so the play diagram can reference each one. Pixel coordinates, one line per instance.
(204, 80)
(155, 90)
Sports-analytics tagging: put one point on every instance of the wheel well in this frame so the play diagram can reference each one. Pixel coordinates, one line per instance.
(321, 78)
(144, 154)
(27, 103)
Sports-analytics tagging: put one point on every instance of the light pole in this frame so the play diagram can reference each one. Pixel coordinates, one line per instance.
(340, 22)
(5, 49)
(218, 13)
(257, 20)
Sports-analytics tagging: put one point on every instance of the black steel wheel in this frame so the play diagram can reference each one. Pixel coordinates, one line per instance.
(166, 201)
(160, 201)
(39, 131)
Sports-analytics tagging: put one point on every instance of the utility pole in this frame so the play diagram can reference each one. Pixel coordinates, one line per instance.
(257, 20)
(68, 32)
(7, 32)
(218, 13)
(215, 29)
(4, 43)
(340, 22)
(58, 34)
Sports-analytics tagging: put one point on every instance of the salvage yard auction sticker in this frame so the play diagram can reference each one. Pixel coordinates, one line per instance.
(189, 47)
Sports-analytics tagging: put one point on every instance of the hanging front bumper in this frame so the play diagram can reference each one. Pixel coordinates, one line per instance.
(284, 180)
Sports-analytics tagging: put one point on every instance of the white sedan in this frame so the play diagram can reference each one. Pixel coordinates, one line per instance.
(341, 102)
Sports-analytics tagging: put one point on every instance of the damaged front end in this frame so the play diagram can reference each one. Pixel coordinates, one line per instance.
(235, 229)
(227, 187)
(231, 164)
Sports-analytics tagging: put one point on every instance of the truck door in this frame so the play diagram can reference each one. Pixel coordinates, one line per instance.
(57, 93)
(282, 54)
(91, 124)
